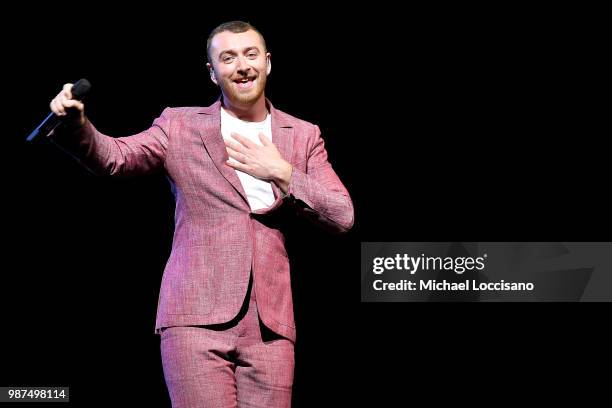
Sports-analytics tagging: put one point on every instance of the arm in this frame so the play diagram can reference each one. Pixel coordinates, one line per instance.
(318, 193)
(104, 155)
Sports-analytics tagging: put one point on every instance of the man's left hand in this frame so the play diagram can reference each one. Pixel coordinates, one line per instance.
(264, 162)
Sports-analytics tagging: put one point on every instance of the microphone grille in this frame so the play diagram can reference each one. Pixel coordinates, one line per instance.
(80, 88)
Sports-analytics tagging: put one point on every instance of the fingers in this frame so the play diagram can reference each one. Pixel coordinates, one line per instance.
(230, 144)
(244, 140)
(237, 165)
(264, 140)
(63, 102)
(67, 91)
(55, 106)
(236, 155)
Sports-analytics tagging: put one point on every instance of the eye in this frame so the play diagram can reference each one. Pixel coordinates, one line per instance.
(252, 55)
(227, 58)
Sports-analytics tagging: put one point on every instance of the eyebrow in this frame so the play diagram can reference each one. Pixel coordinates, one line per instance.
(245, 50)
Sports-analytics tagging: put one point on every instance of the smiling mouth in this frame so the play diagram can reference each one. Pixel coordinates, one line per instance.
(244, 83)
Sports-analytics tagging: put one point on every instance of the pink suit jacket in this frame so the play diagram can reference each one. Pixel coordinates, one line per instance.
(218, 240)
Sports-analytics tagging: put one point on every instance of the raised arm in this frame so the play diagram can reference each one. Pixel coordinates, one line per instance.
(142, 153)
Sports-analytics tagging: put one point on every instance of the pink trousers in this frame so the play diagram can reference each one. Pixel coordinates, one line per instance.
(236, 364)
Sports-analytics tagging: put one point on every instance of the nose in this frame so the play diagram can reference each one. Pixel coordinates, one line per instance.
(243, 67)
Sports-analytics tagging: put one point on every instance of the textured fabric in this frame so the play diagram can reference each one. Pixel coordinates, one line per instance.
(259, 192)
(236, 364)
(218, 240)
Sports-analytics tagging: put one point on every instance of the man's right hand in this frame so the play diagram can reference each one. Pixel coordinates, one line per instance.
(63, 105)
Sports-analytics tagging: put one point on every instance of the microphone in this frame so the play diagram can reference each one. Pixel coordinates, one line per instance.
(79, 90)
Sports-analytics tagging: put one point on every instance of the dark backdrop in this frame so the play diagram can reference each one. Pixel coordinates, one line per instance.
(445, 124)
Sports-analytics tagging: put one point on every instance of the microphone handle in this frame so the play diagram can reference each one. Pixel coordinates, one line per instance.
(47, 126)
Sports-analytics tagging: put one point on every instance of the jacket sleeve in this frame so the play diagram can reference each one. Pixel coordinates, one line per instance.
(139, 154)
(318, 193)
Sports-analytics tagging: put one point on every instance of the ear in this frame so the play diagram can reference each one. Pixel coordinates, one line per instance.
(211, 71)
(269, 63)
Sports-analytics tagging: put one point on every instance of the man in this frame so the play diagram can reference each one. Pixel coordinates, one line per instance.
(225, 311)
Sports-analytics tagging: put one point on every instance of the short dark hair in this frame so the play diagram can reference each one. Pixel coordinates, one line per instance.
(233, 27)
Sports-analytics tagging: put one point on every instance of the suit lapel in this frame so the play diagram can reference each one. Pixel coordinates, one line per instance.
(210, 132)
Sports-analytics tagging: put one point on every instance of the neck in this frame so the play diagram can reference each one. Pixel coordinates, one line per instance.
(253, 112)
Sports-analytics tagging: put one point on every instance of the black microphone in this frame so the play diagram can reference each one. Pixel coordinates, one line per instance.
(79, 90)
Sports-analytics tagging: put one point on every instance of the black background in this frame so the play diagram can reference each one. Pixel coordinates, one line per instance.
(445, 124)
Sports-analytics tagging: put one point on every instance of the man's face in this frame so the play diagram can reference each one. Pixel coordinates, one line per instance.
(240, 66)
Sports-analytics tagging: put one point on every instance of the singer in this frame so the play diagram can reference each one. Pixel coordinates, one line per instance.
(225, 311)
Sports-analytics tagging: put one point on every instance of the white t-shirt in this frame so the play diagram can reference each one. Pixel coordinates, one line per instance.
(259, 192)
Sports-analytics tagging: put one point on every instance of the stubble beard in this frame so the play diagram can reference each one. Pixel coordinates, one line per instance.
(245, 98)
